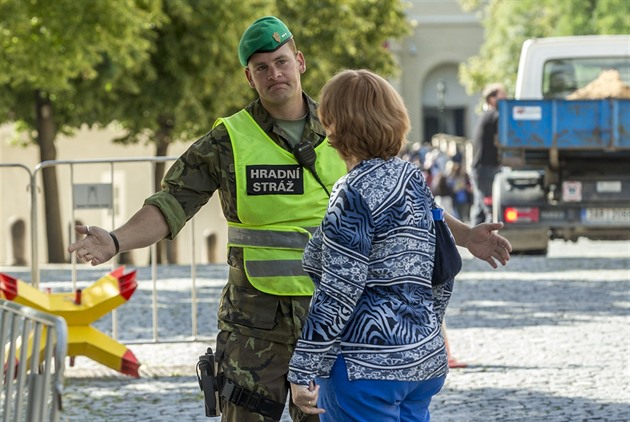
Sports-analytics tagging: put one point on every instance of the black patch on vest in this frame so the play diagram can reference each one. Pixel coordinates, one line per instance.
(275, 180)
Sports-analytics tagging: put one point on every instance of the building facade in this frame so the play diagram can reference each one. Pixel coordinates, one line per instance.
(443, 37)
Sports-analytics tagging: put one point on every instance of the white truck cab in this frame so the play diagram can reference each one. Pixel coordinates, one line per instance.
(554, 67)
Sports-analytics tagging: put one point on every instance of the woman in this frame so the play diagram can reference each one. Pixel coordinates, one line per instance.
(374, 322)
(372, 348)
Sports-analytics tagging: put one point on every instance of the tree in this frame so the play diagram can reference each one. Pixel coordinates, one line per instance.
(49, 51)
(349, 34)
(508, 24)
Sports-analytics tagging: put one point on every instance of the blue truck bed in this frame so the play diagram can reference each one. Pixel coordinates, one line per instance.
(565, 124)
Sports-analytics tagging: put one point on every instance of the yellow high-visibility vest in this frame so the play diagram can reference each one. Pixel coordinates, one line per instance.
(279, 204)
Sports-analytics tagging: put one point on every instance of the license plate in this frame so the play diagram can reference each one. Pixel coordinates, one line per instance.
(606, 215)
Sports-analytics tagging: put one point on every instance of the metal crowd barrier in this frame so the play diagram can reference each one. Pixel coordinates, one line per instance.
(34, 348)
(111, 162)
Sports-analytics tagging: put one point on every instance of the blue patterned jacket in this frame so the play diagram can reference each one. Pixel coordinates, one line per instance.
(371, 261)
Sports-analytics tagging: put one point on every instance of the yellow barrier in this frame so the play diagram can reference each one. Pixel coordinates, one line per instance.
(80, 309)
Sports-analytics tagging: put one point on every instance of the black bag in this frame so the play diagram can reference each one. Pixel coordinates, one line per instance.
(447, 262)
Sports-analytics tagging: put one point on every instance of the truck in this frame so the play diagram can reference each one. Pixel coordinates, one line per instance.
(564, 144)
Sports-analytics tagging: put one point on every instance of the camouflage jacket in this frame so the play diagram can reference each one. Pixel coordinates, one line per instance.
(206, 167)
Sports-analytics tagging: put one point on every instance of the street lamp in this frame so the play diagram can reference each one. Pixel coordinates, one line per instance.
(441, 93)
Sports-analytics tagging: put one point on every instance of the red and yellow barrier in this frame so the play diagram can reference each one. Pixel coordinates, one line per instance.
(80, 309)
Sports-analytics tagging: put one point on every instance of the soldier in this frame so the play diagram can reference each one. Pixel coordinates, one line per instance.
(272, 199)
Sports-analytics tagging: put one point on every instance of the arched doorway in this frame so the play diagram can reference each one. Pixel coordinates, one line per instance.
(445, 104)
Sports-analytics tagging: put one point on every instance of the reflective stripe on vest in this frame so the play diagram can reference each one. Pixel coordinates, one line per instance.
(264, 238)
(275, 268)
(280, 273)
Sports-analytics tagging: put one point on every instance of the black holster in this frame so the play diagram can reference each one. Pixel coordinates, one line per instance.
(206, 375)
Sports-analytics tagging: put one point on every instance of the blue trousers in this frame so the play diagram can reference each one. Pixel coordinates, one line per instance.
(372, 400)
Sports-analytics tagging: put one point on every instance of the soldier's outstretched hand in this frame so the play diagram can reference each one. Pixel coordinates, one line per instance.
(95, 246)
(486, 244)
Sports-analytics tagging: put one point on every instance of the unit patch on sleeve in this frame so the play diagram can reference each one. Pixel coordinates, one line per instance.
(275, 180)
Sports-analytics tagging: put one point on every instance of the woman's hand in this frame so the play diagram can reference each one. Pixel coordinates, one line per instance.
(305, 397)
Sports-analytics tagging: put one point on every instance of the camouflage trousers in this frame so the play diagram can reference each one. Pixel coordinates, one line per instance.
(259, 366)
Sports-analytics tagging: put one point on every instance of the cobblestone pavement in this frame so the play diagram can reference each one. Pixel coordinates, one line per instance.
(545, 339)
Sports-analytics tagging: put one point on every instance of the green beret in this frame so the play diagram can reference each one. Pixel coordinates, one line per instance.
(263, 36)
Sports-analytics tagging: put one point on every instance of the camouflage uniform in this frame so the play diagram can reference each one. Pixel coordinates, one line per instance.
(254, 345)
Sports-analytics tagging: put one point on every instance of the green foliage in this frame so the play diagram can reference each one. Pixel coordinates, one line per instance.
(342, 34)
(508, 24)
(612, 17)
(193, 76)
(56, 47)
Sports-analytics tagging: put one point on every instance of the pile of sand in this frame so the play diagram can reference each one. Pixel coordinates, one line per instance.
(607, 85)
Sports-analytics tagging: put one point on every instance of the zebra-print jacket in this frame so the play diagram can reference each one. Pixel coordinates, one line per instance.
(371, 261)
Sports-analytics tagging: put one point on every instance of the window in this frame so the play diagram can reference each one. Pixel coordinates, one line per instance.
(563, 77)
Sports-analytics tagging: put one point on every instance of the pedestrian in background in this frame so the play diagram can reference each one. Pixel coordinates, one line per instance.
(461, 189)
(485, 163)
(372, 347)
